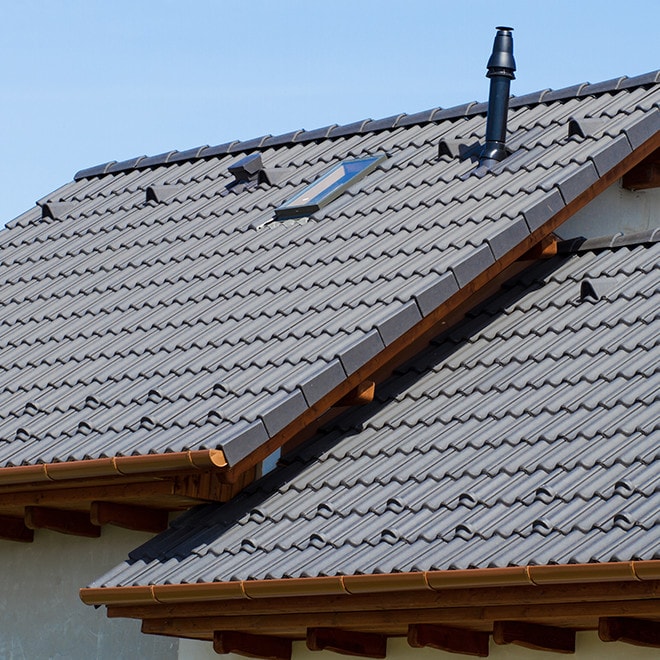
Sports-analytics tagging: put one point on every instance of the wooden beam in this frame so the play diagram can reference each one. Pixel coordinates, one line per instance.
(252, 646)
(14, 529)
(639, 632)
(544, 249)
(358, 396)
(534, 636)
(139, 518)
(645, 175)
(76, 523)
(453, 640)
(364, 645)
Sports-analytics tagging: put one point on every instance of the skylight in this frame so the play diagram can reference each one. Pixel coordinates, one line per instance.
(328, 187)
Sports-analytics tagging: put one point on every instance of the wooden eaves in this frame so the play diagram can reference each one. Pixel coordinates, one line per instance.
(177, 481)
(539, 607)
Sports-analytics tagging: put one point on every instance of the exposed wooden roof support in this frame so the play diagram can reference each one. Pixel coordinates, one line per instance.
(14, 529)
(645, 175)
(358, 396)
(64, 521)
(544, 249)
(453, 640)
(364, 645)
(632, 631)
(252, 646)
(139, 518)
(534, 636)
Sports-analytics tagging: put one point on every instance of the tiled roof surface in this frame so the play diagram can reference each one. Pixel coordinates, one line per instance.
(132, 326)
(529, 434)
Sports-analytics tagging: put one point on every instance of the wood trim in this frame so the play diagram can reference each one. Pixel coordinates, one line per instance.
(15, 529)
(534, 636)
(638, 632)
(544, 249)
(452, 640)
(234, 600)
(252, 646)
(364, 645)
(76, 523)
(139, 518)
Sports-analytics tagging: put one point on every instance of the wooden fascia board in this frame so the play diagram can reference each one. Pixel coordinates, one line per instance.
(119, 466)
(399, 583)
(431, 325)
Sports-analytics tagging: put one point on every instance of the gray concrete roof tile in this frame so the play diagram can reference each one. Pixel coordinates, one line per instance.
(539, 457)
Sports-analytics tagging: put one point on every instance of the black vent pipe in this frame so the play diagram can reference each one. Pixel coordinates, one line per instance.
(501, 66)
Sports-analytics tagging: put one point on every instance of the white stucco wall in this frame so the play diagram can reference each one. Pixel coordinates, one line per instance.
(588, 647)
(613, 211)
(41, 615)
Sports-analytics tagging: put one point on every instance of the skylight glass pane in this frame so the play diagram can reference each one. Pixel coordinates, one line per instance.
(328, 187)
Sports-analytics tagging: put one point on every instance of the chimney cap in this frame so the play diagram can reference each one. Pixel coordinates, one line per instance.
(501, 62)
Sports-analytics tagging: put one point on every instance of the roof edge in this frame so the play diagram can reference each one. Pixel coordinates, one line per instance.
(512, 576)
(206, 459)
(368, 125)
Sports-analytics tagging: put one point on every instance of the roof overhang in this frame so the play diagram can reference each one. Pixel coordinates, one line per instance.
(537, 606)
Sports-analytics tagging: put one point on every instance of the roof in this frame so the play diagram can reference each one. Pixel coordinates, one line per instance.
(148, 311)
(527, 435)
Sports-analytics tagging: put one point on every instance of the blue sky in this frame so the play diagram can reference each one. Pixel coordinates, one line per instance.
(85, 82)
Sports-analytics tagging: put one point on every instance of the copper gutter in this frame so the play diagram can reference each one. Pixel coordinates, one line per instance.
(632, 571)
(207, 459)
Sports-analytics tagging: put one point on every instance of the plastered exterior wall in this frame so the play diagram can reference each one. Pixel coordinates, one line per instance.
(41, 615)
(588, 647)
(613, 211)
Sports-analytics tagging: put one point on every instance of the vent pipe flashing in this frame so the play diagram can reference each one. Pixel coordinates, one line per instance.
(501, 66)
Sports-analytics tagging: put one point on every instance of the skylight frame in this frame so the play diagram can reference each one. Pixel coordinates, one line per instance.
(330, 185)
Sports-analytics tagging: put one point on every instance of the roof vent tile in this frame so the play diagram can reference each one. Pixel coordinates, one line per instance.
(246, 168)
(162, 193)
(22, 434)
(324, 510)
(389, 536)
(585, 127)
(57, 210)
(465, 532)
(542, 526)
(544, 494)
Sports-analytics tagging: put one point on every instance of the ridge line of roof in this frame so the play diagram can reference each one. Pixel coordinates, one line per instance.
(367, 125)
(582, 244)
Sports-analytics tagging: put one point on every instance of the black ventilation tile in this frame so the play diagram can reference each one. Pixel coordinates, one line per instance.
(434, 295)
(644, 128)
(247, 167)
(322, 380)
(611, 154)
(57, 210)
(585, 127)
(474, 263)
(242, 440)
(283, 411)
(509, 235)
(399, 322)
(539, 213)
(275, 176)
(577, 182)
(97, 170)
(162, 192)
(189, 154)
(357, 355)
